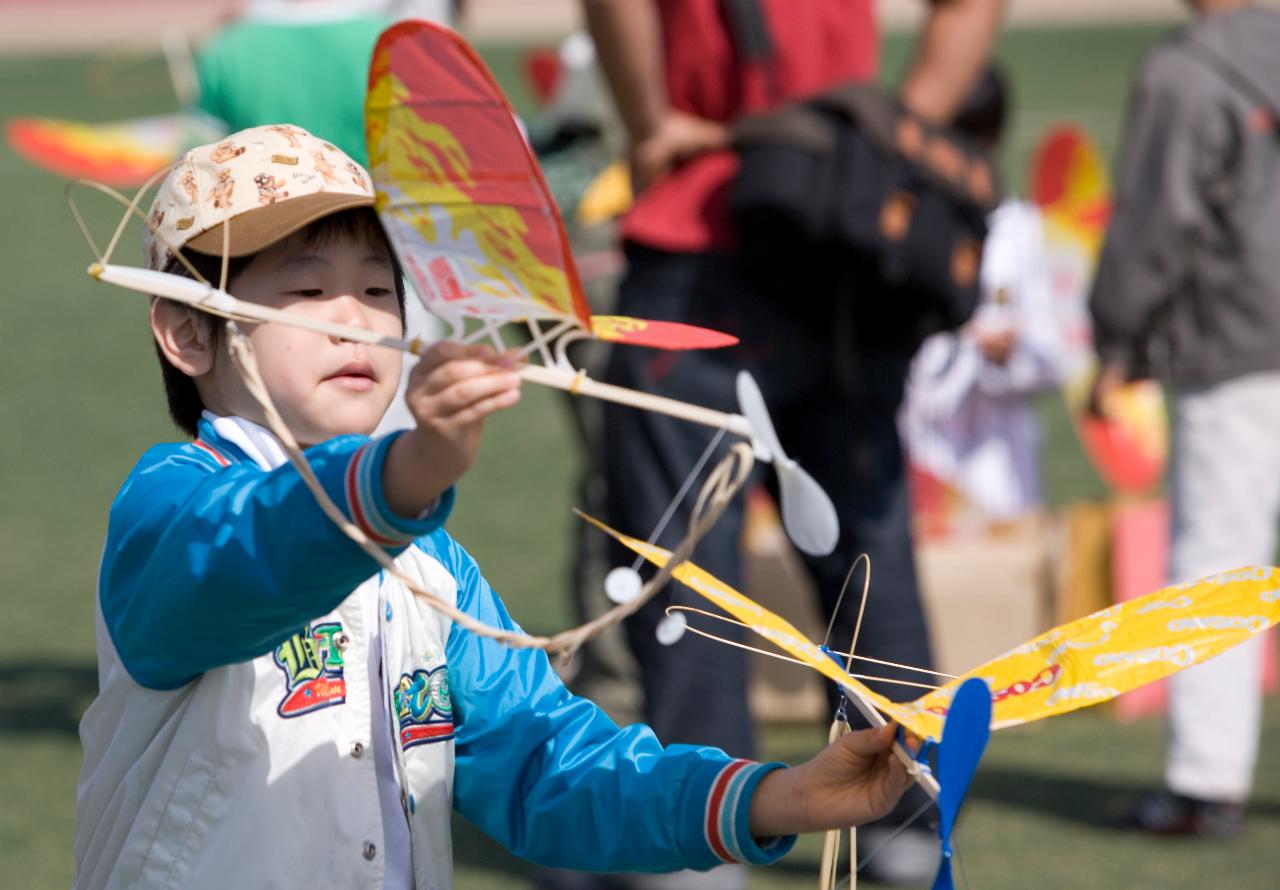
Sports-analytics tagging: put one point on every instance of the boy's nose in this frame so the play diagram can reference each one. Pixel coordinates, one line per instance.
(350, 311)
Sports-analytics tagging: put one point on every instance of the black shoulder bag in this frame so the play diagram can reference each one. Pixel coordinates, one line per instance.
(848, 196)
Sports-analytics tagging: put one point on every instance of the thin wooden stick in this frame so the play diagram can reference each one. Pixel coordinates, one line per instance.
(225, 268)
(847, 655)
(862, 607)
(131, 209)
(581, 384)
(831, 838)
(844, 588)
(777, 655)
(202, 296)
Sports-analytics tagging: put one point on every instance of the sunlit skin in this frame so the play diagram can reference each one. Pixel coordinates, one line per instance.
(325, 387)
(855, 779)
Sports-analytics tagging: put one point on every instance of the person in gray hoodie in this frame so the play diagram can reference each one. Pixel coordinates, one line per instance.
(1188, 288)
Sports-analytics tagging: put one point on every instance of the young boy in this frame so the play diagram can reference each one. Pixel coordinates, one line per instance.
(273, 708)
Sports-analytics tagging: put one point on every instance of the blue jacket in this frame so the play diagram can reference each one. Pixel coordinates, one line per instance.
(232, 617)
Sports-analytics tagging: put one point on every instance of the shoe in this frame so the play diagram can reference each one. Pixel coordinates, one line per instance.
(1167, 813)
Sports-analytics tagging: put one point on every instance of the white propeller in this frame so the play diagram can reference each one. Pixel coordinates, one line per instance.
(622, 584)
(807, 513)
(671, 628)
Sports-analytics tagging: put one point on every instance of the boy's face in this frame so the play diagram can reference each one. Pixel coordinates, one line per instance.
(322, 387)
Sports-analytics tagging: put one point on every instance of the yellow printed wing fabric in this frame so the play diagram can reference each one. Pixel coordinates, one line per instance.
(1073, 666)
(1123, 647)
(458, 190)
(776, 630)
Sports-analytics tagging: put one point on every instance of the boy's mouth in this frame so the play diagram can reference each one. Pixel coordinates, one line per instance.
(358, 376)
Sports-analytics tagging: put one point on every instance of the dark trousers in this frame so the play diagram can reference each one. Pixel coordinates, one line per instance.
(833, 393)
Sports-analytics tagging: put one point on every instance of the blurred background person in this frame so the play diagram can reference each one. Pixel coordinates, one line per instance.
(1189, 287)
(307, 62)
(969, 418)
(680, 72)
(301, 61)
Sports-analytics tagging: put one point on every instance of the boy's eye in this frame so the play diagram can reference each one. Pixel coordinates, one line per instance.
(307, 292)
(378, 291)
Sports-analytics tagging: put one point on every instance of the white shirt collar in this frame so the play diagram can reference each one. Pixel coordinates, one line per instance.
(255, 440)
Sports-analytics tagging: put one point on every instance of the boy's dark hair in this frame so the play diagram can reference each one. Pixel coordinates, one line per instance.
(185, 404)
(983, 114)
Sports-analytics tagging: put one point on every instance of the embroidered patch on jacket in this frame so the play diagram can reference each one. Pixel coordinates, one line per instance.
(423, 707)
(313, 670)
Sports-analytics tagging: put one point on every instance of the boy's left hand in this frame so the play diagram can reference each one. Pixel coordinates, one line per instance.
(451, 392)
(855, 779)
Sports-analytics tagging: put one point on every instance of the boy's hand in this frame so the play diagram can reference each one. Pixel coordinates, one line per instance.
(451, 392)
(853, 780)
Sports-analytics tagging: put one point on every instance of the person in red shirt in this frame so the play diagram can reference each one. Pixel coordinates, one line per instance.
(680, 73)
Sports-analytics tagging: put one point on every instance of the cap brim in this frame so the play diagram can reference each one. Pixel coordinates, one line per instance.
(261, 227)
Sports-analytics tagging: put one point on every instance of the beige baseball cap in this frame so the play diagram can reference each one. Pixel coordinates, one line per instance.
(263, 184)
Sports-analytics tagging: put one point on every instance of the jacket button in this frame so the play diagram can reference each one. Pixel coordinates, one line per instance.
(357, 749)
(342, 641)
(370, 851)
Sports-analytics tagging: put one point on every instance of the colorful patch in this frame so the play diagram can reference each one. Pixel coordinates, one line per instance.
(313, 670)
(424, 708)
(208, 449)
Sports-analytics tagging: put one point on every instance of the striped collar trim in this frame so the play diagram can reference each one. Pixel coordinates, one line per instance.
(215, 453)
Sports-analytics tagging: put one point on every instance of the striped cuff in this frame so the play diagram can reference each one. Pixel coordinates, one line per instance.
(367, 506)
(723, 814)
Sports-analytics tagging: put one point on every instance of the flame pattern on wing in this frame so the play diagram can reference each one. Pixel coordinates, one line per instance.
(477, 230)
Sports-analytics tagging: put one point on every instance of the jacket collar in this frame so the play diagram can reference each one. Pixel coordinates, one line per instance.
(238, 440)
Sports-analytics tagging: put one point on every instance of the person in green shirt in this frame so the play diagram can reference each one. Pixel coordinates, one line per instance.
(304, 62)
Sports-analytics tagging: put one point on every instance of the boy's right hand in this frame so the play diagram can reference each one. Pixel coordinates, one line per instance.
(451, 392)
(855, 779)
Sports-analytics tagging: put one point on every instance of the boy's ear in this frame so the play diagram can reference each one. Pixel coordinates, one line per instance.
(184, 335)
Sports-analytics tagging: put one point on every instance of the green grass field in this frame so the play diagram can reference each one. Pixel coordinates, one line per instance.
(82, 399)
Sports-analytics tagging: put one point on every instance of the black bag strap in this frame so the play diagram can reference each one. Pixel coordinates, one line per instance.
(749, 31)
(796, 125)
